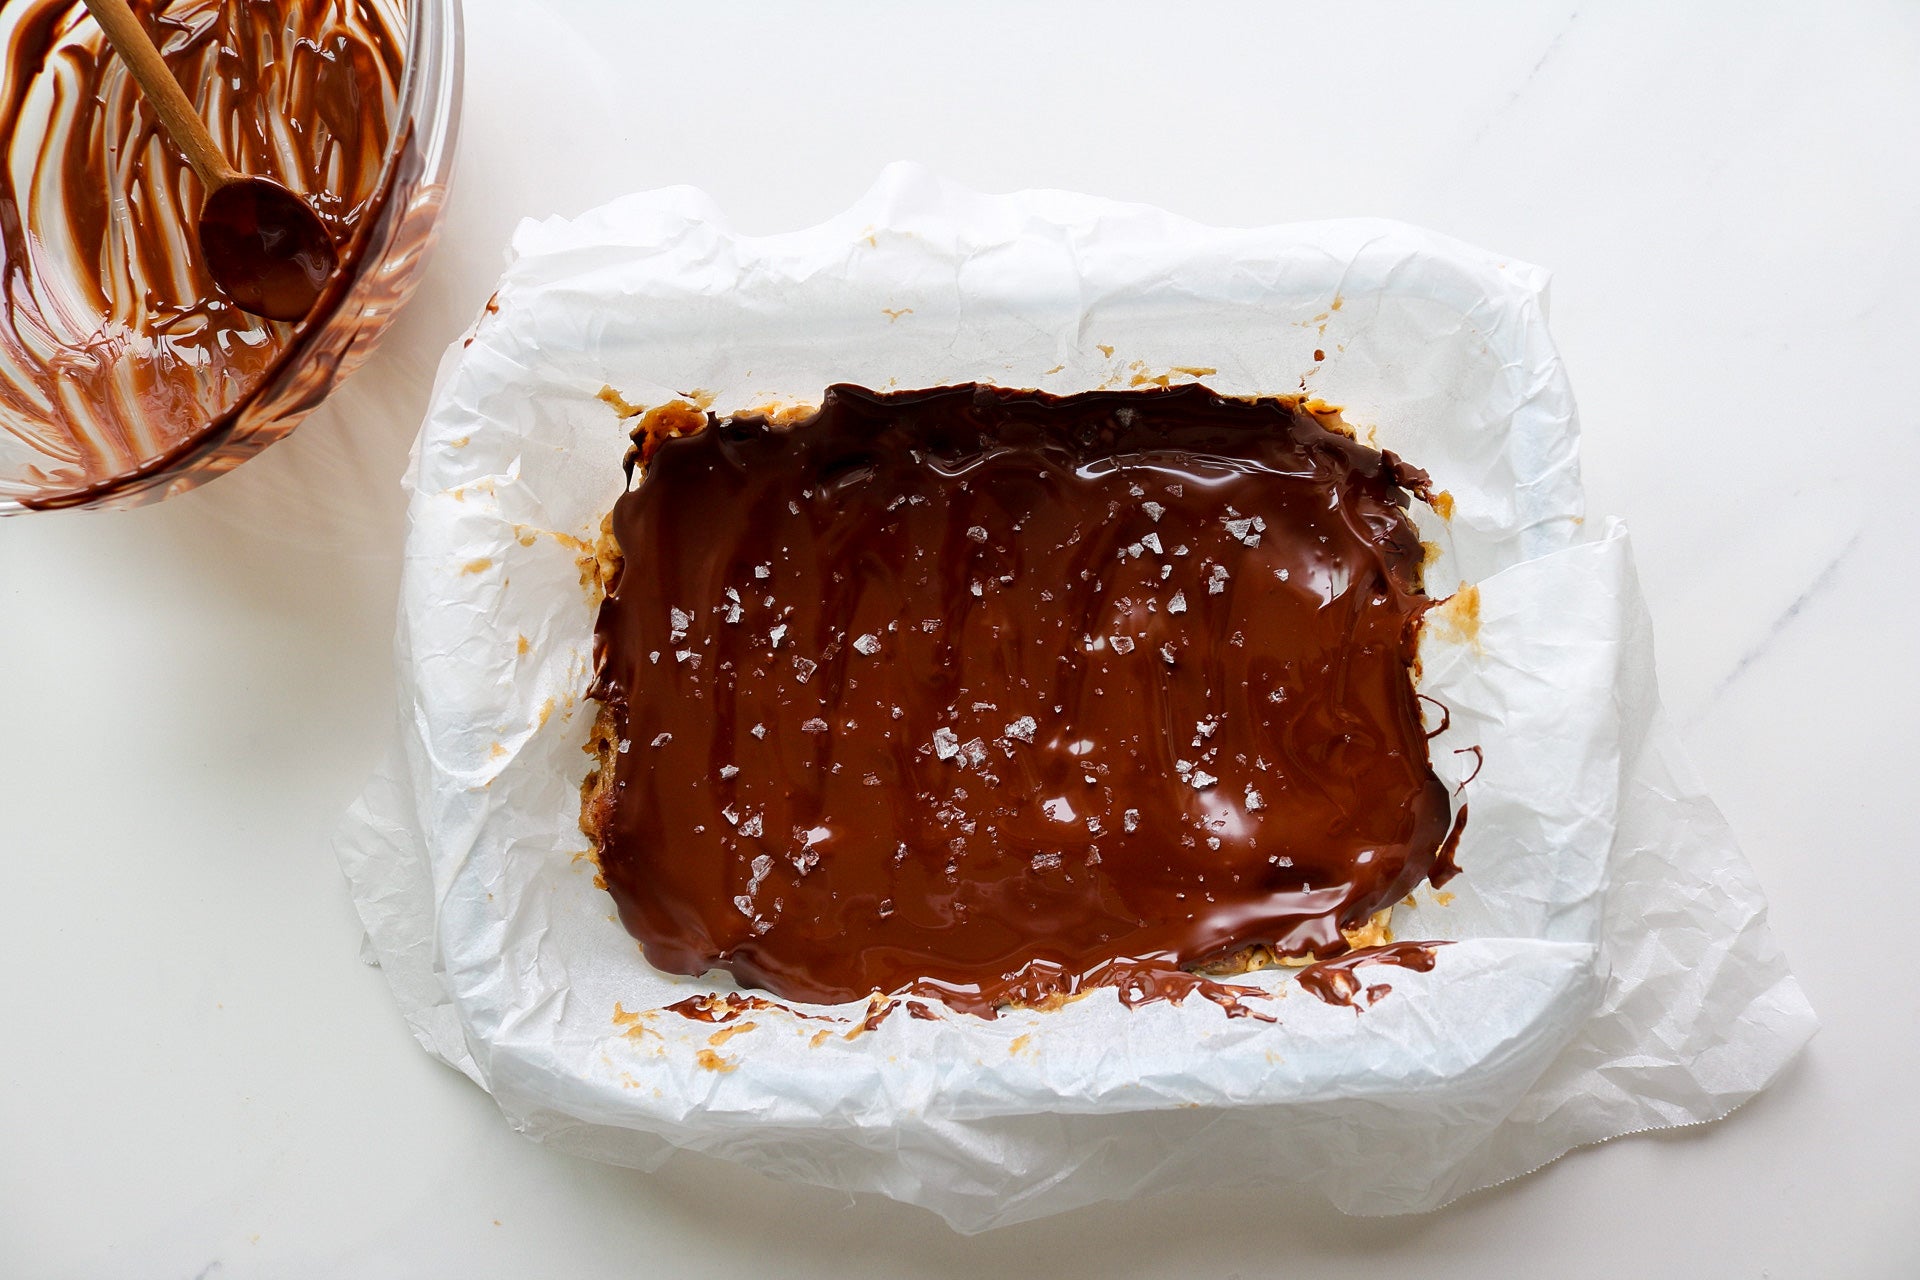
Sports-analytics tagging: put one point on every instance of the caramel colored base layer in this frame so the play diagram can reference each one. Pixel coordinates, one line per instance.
(993, 695)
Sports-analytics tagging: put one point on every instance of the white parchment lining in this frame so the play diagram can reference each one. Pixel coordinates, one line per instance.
(1612, 969)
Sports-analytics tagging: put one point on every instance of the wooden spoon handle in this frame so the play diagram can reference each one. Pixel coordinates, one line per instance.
(170, 102)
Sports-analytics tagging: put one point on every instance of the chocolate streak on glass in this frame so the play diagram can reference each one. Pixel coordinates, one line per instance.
(995, 696)
(119, 359)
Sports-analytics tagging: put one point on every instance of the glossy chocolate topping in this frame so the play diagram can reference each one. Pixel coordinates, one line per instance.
(993, 695)
(115, 345)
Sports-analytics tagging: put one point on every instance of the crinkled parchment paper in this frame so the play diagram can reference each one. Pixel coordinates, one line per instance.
(1612, 971)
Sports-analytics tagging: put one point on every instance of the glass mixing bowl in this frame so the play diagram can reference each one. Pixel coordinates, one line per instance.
(209, 420)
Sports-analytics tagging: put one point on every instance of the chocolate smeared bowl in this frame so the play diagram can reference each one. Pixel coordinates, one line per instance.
(125, 376)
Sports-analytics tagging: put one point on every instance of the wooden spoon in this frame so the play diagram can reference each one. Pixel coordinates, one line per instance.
(263, 245)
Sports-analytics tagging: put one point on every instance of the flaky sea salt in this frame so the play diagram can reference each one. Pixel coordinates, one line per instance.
(1254, 802)
(803, 669)
(977, 533)
(1021, 730)
(778, 634)
(815, 725)
(946, 743)
(867, 644)
(1154, 511)
(1121, 644)
(1178, 604)
(1130, 820)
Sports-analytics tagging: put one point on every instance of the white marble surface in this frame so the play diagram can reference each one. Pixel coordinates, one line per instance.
(198, 1077)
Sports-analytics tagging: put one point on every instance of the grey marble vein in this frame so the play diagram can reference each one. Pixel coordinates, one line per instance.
(1815, 587)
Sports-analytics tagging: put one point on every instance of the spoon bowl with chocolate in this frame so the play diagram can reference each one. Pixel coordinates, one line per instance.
(173, 308)
(996, 697)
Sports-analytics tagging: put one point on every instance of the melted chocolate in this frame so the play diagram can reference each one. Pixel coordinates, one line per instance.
(993, 696)
(728, 1007)
(1337, 981)
(116, 349)
(269, 253)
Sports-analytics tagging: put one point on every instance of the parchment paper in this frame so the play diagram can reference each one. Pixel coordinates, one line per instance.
(1612, 969)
